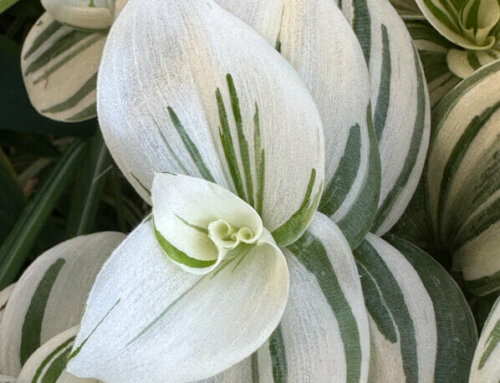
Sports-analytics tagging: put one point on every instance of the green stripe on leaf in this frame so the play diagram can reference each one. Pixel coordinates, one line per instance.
(179, 256)
(288, 231)
(31, 338)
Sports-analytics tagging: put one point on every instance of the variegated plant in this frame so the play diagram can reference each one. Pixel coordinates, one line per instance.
(269, 137)
(421, 327)
(400, 103)
(462, 178)
(50, 296)
(472, 25)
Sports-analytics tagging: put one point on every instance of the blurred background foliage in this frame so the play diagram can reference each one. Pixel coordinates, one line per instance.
(57, 180)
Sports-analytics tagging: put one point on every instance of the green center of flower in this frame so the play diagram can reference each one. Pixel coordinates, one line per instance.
(226, 236)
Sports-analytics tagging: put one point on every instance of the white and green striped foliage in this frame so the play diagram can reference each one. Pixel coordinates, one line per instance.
(422, 329)
(48, 363)
(149, 320)
(50, 296)
(464, 63)
(4, 299)
(472, 26)
(61, 56)
(462, 178)
(433, 51)
(59, 65)
(485, 367)
(84, 14)
(318, 42)
(400, 103)
(191, 89)
(323, 336)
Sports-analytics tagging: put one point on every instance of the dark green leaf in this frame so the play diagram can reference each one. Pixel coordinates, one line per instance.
(21, 239)
(11, 197)
(87, 190)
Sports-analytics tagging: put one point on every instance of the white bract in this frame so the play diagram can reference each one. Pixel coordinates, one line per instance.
(148, 319)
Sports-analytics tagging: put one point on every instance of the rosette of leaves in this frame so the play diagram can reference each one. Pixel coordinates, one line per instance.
(236, 277)
(471, 25)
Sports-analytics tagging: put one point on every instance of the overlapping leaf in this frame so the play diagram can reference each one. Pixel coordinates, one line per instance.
(179, 93)
(50, 296)
(400, 103)
(462, 178)
(320, 45)
(48, 363)
(149, 320)
(422, 329)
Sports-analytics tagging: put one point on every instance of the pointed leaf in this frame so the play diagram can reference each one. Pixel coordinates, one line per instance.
(50, 296)
(463, 186)
(400, 103)
(59, 65)
(149, 320)
(179, 93)
(318, 42)
(21, 238)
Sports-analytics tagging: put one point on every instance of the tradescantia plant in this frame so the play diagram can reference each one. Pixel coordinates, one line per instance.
(472, 25)
(269, 137)
(461, 179)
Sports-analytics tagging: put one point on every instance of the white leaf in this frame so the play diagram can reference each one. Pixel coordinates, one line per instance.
(149, 320)
(400, 103)
(50, 296)
(324, 334)
(188, 88)
(462, 178)
(402, 318)
(199, 223)
(318, 42)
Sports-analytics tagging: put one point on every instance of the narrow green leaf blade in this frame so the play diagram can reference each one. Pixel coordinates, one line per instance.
(27, 228)
(88, 188)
